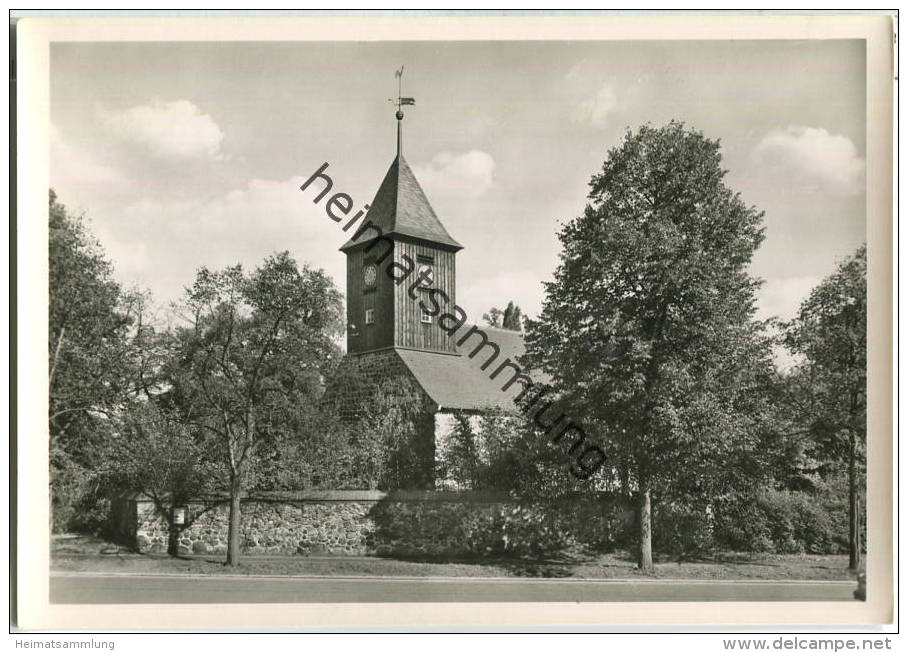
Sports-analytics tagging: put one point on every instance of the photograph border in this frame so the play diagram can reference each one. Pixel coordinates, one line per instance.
(34, 36)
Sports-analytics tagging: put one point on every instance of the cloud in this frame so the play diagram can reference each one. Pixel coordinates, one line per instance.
(782, 297)
(596, 109)
(168, 130)
(74, 170)
(468, 174)
(264, 212)
(814, 156)
(241, 225)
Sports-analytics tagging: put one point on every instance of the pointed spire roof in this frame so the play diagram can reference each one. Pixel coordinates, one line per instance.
(401, 207)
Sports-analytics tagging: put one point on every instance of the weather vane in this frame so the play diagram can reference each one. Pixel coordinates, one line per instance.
(400, 102)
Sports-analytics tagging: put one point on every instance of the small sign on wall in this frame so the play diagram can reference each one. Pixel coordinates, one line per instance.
(179, 516)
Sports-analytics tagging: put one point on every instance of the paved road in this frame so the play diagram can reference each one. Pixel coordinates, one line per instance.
(112, 588)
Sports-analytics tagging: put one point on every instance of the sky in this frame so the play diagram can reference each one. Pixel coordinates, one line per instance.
(182, 155)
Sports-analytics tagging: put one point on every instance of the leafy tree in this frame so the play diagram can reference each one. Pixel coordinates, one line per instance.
(459, 462)
(155, 454)
(510, 318)
(96, 353)
(647, 329)
(256, 343)
(830, 333)
(300, 447)
(501, 451)
(493, 317)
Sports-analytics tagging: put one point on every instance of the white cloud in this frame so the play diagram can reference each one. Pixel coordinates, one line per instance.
(596, 109)
(814, 156)
(243, 225)
(468, 174)
(263, 212)
(169, 130)
(782, 297)
(74, 170)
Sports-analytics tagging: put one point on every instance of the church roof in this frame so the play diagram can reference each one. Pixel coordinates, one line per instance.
(458, 382)
(401, 207)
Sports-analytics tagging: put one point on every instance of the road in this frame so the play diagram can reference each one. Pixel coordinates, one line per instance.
(114, 588)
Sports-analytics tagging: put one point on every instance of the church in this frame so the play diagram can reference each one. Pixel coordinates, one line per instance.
(397, 330)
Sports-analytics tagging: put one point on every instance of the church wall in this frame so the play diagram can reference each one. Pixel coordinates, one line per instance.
(355, 385)
(369, 369)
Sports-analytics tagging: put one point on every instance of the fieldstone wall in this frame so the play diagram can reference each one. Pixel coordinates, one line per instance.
(308, 523)
(354, 386)
(354, 383)
(352, 522)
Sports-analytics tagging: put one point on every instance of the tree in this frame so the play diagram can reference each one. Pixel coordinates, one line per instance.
(510, 318)
(647, 329)
(95, 350)
(153, 453)
(493, 317)
(830, 333)
(459, 461)
(254, 342)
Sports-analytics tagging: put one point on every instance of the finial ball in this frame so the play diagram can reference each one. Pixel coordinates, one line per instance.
(399, 114)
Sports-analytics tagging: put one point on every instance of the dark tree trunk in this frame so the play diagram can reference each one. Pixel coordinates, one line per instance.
(238, 461)
(854, 515)
(233, 534)
(644, 513)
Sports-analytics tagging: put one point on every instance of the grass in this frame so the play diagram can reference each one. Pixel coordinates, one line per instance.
(79, 553)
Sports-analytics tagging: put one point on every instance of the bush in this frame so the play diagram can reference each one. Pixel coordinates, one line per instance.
(520, 530)
(77, 505)
(783, 521)
(683, 531)
(463, 528)
(601, 523)
(742, 525)
(802, 524)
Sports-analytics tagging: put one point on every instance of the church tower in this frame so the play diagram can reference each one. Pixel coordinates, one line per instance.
(381, 313)
(395, 345)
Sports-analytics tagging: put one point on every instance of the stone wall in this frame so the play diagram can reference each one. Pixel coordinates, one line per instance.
(351, 522)
(292, 524)
(358, 375)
